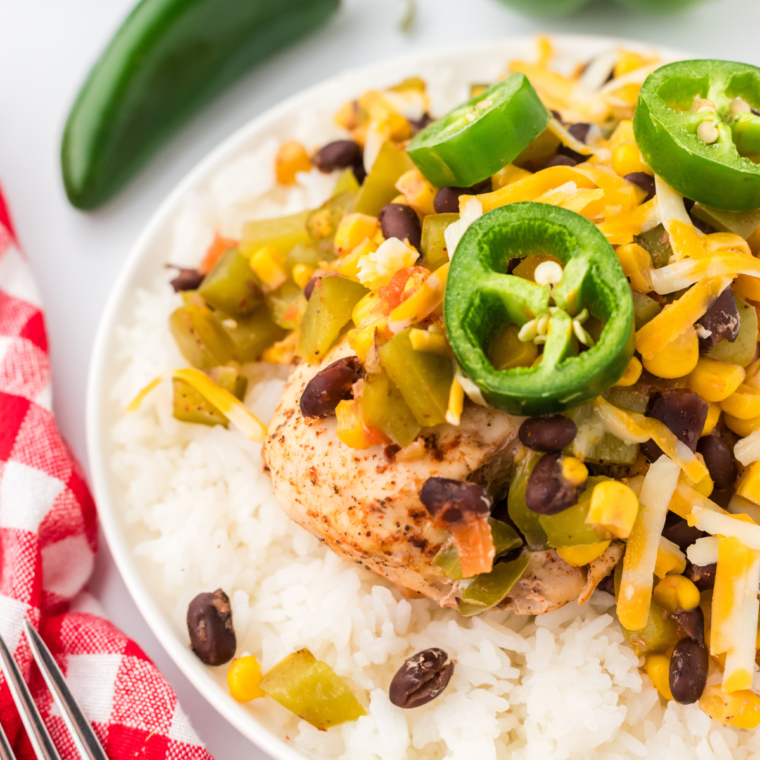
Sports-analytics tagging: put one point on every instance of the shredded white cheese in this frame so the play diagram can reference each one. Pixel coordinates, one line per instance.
(599, 69)
(637, 76)
(722, 524)
(472, 211)
(704, 551)
(747, 450)
(670, 204)
(375, 269)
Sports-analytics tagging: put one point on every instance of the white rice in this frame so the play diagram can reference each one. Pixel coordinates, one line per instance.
(564, 686)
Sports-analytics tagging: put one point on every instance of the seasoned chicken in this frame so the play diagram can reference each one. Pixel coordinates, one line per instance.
(366, 507)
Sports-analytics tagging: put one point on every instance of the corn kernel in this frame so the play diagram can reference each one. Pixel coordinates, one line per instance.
(631, 375)
(400, 128)
(742, 427)
(626, 159)
(350, 428)
(614, 508)
(740, 709)
(243, 678)
(350, 115)
(361, 339)
(669, 562)
(321, 223)
(266, 265)
(291, 158)
(658, 669)
(400, 200)
(349, 264)
(302, 273)
(574, 471)
(637, 265)
(282, 352)
(743, 403)
(678, 358)
(419, 193)
(713, 415)
(676, 594)
(579, 556)
(628, 62)
(715, 381)
(429, 342)
(353, 230)
(749, 483)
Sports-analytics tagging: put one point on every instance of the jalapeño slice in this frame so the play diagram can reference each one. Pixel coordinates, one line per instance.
(476, 139)
(481, 298)
(696, 126)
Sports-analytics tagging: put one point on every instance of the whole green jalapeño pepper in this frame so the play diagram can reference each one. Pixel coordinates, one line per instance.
(481, 298)
(476, 139)
(167, 60)
(696, 128)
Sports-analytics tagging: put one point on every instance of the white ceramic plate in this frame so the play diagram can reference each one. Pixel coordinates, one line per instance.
(463, 66)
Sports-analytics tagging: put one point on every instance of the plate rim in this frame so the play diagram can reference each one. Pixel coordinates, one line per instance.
(102, 480)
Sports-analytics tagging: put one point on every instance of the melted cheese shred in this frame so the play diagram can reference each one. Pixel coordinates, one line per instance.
(635, 597)
(233, 409)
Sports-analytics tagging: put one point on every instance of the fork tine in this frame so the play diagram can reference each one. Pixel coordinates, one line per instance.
(6, 753)
(30, 716)
(84, 737)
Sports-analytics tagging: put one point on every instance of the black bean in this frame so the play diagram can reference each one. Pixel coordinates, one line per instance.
(187, 279)
(209, 623)
(719, 460)
(548, 492)
(310, 285)
(682, 411)
(512, 264)
(680, 532)
(560, 160)
(330, 386)
(446, 200)
(608, 584)
(702, 225)
(401, 221)
(703, 576)
(579, 158)
(693, 624)
(579, 131)
(688, 671)
(419, 124)
(644, 181)
(550, 433)
(421, 678)
(721, 319)
(337, 155)
(453, 501)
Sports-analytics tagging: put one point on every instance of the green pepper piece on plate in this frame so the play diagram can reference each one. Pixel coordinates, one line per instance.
(312, 690)
(379, 187)
(424, 379)
(569, 527)
(327, 313)
(250, 335)
(485, 591)
(742, 350)
(481, 298)
(475, 140)
(434, 251)
(200, 336)
(283, 233)
(167, 60)
(190, 406)
(505, 539)
(704, 156)
(524, 518)
(382, 406)
(231, 285)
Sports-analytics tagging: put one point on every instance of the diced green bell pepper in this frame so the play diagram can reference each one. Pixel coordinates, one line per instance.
(607, 450)
(434, 251)
(382, 406)
(312, 690)
(660, 634)
(279, 302)
(379, 187)
(657, 244)
(283, 233)
(327, 313)
(306, 253)
(250, 335)
(231, 285)
(200, 337)
(424, 379)
(524, 518)
(505, 539)
(632, 398)
(322, 224)
(190, 406)
(569, 528)
(741, 223)
(485, 591)
(645, 309)
(742, 350)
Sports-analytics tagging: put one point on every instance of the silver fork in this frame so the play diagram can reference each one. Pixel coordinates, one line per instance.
(85, 740)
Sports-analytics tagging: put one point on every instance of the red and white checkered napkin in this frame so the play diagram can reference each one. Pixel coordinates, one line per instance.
(48, 535)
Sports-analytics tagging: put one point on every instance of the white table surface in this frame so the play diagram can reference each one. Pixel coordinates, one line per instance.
(46, 48)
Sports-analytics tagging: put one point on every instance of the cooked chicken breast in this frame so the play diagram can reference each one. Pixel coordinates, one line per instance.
(366, 507)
